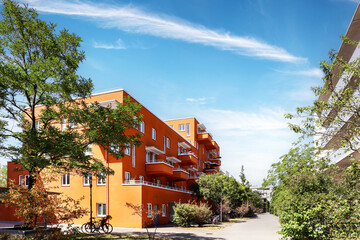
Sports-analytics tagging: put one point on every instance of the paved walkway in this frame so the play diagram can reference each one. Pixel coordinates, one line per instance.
(264, 227)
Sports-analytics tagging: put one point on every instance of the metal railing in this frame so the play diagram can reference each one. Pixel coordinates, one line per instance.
(151, 184)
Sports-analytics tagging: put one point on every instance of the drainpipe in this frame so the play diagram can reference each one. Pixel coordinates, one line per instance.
(221, 208)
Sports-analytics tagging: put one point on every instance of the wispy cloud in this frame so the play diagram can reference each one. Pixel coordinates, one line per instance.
(134, 20)
(313, 72)
(119, 45)
(201, 100)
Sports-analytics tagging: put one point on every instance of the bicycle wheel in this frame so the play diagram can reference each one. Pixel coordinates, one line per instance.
(107, 228)
(88, 228)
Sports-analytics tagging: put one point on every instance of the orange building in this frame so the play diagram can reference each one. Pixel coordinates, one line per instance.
(155, 175)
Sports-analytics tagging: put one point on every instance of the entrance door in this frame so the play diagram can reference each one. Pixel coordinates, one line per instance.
(156, 212)
(171, 211)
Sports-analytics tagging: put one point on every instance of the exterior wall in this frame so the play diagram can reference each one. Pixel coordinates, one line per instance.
(160, 186)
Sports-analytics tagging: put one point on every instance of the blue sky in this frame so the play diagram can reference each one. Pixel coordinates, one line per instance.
(237, 66)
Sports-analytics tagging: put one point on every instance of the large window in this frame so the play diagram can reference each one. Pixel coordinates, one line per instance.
(153, 134)
(127, 150)
(142, 127)
(133, 157)
(65, 180)
(149, 210)
(148, 156)
(101, 209)
(141, 178)
(163, 210)
(181, 127)
(101, 178)
(87, 179)
(188, 129)
(27, 180)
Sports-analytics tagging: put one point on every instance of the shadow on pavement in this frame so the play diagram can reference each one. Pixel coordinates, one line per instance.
(171, 235)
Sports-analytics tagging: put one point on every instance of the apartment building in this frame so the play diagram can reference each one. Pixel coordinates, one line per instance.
(155, 175)
(332, 130)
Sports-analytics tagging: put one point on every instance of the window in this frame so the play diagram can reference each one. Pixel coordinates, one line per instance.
(163, 210)
(20, 180)
(65, 179)
(87, 179)
(63, 125)
(141, 178)
(101, 178)
(101, 209)
(127, 177)
(142, 127)
(164, 144)
(158, 182)
(196, 145)
(72, 124)
(88, 150)
(133, 157)
(172, 126)
(37, 125)
(167, 142)
(148, 157)
(188, 129)
(27, 180)
(149, 210)
(153, 134)
(181, 127)
(127, 150)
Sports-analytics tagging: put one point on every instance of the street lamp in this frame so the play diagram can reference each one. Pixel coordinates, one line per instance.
(90, 179)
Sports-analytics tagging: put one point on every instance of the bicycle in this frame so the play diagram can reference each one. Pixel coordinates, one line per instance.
(97, 226)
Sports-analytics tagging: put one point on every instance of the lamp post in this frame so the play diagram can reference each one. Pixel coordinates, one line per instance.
(90, 179)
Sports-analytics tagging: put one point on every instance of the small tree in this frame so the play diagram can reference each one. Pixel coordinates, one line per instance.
(202, 213)
(3, 176)
(149, 221)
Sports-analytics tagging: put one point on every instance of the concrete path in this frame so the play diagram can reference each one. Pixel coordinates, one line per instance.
(264, 227)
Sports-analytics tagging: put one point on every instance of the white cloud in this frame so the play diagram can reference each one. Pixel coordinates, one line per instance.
(313, 72)
(253, 139)
(201, 100)
(119, 45)
(134, 20)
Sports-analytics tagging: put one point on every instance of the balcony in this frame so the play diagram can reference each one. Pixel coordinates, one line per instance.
(155, 185)
(205, 138)
(215, 161)
(210, 170)
(179, 175)
(159, 167)
(187, 158)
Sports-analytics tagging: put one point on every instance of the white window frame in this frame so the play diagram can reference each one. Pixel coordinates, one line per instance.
(88, 150)
(148, 157)
(20, 180)
(37, 125)
(63, 124)
(141, 179)
(102, 208)
(142, 127)
(168, 143)
(87, 178)
(188, 129)
(101, 179)
(127, 151)
(153, 133)
(127, 176)
(65, 180)
(133, 157)
(163, 210)
(27, 180)
(181, 127)
(149, 210)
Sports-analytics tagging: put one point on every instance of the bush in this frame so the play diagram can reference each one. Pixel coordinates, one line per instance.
(202, 214)
(184, 214)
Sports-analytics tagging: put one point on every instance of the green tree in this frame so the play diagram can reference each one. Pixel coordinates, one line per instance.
(243, 177)
(3, 176)
(220, 186)
(39, 87)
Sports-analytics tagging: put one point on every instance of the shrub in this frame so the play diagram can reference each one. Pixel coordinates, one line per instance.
(202, 214)
(184, 214)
